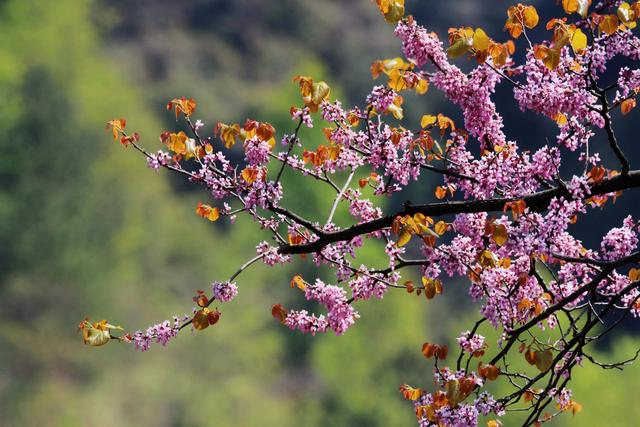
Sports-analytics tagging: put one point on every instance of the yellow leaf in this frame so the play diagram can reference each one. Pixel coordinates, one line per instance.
(177, 142)
(505, 262)
(228, 133)
(422, 87)
(388, 65)
(95, 337)
(627, 14)
(312, 93)
(487, 259)
(440, 227)
(459, 47)
(214, 214)
(299, 282)
(393, 10)
(427, 120)
(549, 56)
(96, 334)
(396, 81)
(396, 107)
(403, 238)
(578, 41)
(561, 119)
(319, 92)
(453, 392)
(500, 235)
(480, 40)
(575, 407)
(445, 123)
(530, 17)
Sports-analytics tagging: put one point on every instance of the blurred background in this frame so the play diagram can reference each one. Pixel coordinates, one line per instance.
(87, 229)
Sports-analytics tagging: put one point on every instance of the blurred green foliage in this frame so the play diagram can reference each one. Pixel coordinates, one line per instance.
(86, 228)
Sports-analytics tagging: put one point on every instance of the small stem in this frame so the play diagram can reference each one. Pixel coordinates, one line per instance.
(339, 196)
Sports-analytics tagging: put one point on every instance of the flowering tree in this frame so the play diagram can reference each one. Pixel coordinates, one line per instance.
(502, 219)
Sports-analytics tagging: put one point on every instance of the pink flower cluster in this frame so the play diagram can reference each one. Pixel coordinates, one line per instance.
(160, 159)
(224, 291)
(470, 343)
(271, 256)
(501, 250)
(160, 333)
(340, 315)
(256, 151)
(302, 114)
(381, 98)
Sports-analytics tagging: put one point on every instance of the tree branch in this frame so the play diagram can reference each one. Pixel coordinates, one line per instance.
(536, 202)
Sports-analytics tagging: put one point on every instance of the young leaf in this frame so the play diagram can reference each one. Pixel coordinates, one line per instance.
(279, 312)
(409, 392)
(480, 40)
(427, 120)
(578, 41)
(500, 235)
(627, 105)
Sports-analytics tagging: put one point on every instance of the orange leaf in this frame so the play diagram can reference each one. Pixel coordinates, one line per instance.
(441, 192)
(432, 287)
(409, 392)
(250, 174)
(200, 320)
(531, 356)
(576, 6)
(279, 312)
(228, 133)
(549, 56)
(628, 105)
(206, 211)
(213, 317)
(116, 126)
(428, 350)
(608, 24)
(182, 106)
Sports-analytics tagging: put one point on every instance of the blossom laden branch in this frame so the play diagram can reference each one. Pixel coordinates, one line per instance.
(503, 214)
